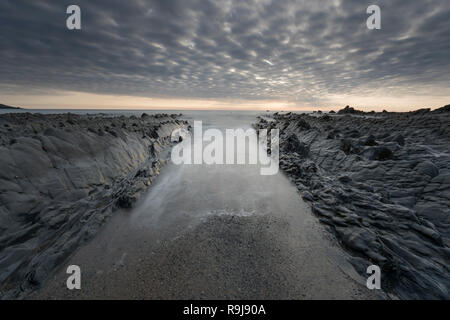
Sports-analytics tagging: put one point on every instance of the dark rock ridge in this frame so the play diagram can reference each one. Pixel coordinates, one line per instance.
(443, 109)
(350, 110)
(382, 185)
(3, 106)
(61, 177)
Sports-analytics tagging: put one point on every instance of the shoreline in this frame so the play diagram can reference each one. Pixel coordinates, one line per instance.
(379, 182)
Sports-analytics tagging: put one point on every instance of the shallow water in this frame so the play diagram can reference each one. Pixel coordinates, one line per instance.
(199, 190)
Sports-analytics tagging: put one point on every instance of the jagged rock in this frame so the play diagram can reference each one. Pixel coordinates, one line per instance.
(399, 139)
(346, 146)
(421, 111)
(303, 125)
(350, 110)
(380, 153)
(125, 202)
(389, 203)
(293, 144)
(370, 141)
(428, 168)
(58, 186)
(443, 109)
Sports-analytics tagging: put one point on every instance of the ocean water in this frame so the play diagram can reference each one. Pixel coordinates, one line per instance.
(127, 112)
(117, 112)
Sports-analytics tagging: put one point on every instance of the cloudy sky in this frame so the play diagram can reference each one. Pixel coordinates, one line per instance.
(278, 54)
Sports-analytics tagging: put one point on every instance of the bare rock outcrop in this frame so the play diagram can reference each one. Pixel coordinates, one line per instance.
(382, 184)
(61, 177)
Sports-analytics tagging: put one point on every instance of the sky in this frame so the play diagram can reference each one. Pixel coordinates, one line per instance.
(225, 54)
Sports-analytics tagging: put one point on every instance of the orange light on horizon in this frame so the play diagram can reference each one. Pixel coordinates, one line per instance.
(82, 100)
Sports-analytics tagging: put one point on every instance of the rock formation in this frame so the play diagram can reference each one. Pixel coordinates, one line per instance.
(61, 177)
(382, 185)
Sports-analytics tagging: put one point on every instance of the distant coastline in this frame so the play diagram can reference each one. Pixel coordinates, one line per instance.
(3, 106)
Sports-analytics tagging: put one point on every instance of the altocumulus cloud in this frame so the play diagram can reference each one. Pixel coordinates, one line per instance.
(302, 51)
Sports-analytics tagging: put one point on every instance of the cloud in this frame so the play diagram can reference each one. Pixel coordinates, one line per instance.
(299, 51)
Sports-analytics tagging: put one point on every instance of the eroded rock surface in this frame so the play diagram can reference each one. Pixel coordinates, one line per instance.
(61, 177)
(382, 184)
